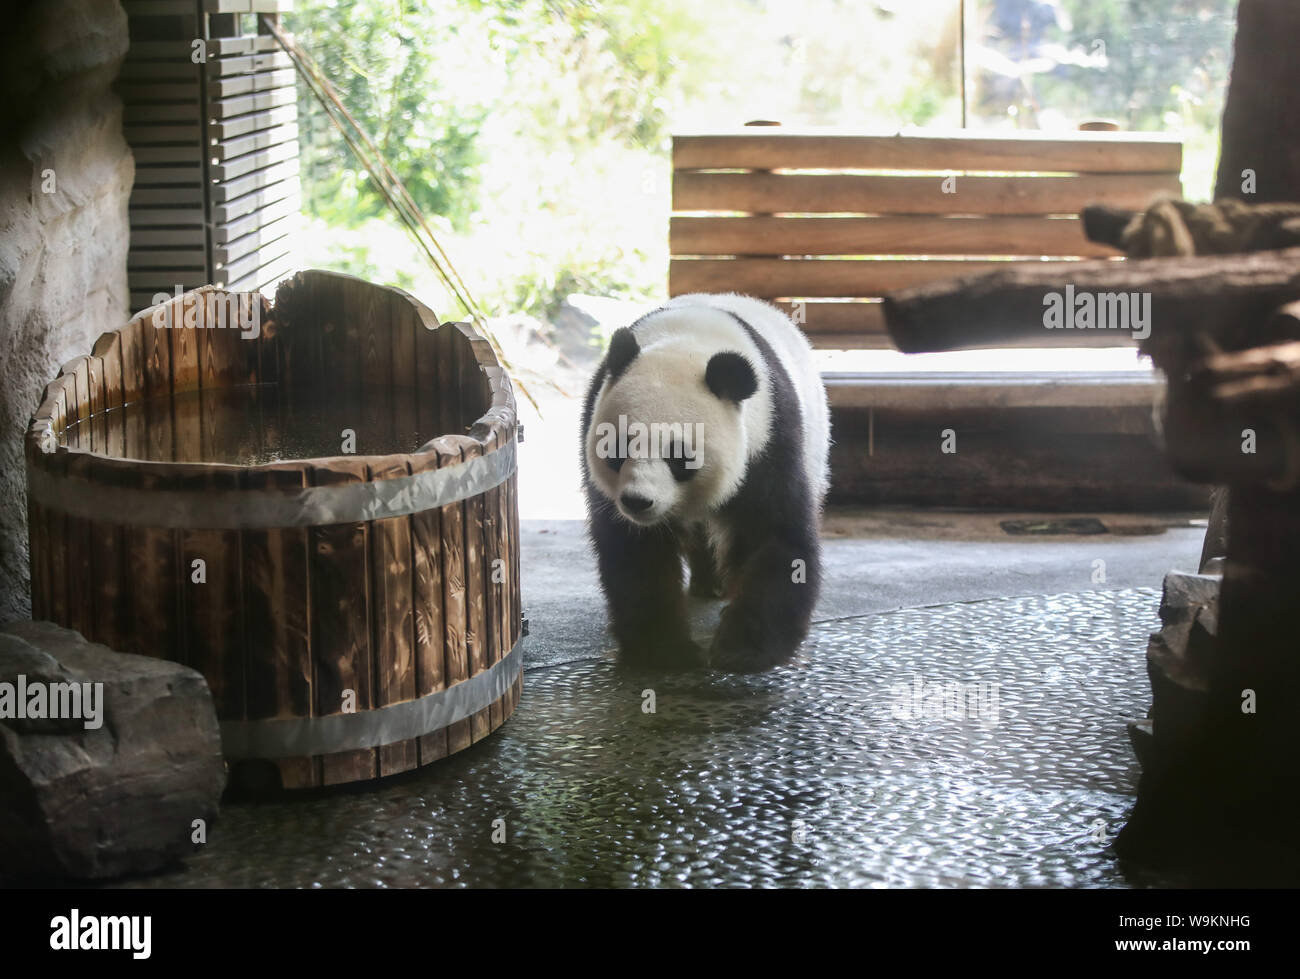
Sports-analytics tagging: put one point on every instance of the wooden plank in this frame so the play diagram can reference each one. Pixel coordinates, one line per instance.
(165, 196)
(243, 44)
(151, 217)
(77, 569)
(887, 235)
(340, 622)
(225, 149)
(779, 193)
(772, 278)
(152, 557)
(226, 233)
(190, 153)
(223, 129)
(224, 193)
(241, 165)
(256, 102)
(477, 637)
(239, 64)
(277, 620)
(494, 567)
(144, 238)
(144, 134)
(393, 636)
(773, 149)
(456, 665)
(1006, 460)
(230, 210)
(168, 258)
(234, 274)
(224, 87)
(958, 391)
(267, 237)
(211, 601)
(428, 597)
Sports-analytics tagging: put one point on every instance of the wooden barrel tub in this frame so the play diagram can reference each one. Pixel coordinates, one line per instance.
(356, 610)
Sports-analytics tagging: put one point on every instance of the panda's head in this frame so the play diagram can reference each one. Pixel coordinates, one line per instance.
(667, 437)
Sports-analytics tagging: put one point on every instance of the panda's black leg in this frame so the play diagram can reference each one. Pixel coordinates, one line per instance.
(769, 617)
(706, 580)
(641, 573)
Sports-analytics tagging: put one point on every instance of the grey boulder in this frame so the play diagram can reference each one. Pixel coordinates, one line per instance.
(110, 800)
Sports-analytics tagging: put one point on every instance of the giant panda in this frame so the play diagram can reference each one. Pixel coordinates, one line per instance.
(705, 436)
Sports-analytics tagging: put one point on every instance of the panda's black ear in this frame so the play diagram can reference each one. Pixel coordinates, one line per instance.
(731, 377)
(622, 351)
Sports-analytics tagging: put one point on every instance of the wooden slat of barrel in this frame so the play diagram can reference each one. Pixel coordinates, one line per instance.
(455, 610)
(210, 608)
(393, 635)
(277, 623)
(932, 150)
(428, 392)
(449, 417)
(772, 278)
(38, 558)
(152, 556)
(782, 193)
(427, 595)
(132, 357)
(98, 426)
(185, 342)
(78, 568)
(477, 636)
(342, 306)
(372, 311)
(912, 234)
(340, 629)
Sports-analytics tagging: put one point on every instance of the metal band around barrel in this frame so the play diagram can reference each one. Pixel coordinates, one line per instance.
(298, 737)
(247, 509)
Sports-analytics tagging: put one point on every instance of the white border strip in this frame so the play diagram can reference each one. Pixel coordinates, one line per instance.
(298, 737)
(310, 506)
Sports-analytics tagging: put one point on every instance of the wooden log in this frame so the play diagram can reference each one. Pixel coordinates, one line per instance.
(1212, 296)
(1261, 125)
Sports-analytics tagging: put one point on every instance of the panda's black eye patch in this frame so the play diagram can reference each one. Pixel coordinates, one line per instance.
(678, 464)
(615, 462)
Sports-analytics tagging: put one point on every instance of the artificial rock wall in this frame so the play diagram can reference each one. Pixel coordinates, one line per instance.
(65, 177)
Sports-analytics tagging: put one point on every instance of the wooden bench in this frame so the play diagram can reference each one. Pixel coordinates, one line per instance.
(825, 223)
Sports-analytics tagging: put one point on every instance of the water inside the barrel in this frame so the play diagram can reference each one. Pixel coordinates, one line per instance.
(252, 425)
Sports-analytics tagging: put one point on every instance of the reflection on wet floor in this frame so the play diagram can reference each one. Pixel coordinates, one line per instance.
(979, 744)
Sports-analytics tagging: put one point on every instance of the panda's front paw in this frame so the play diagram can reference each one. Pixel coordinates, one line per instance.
(664, 657)
(744, 645)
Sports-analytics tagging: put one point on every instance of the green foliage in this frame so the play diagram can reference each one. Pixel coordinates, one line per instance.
(382, 56)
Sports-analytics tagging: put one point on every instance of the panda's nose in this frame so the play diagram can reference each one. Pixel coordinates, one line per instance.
(635, 503)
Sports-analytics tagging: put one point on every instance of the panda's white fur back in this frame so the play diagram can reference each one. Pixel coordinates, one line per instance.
(681, 321)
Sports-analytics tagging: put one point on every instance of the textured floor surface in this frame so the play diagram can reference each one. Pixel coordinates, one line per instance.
(969, 744)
